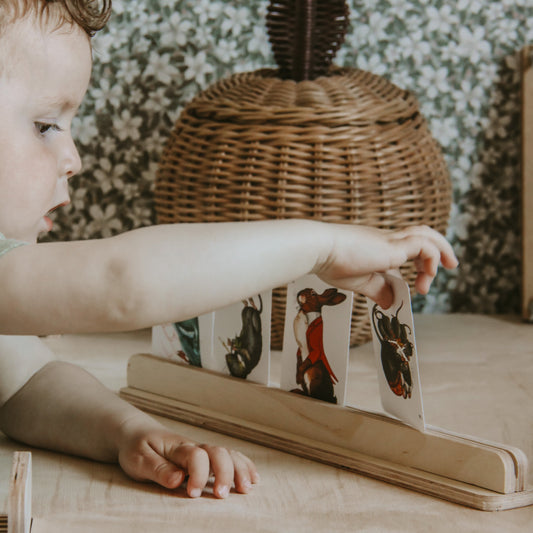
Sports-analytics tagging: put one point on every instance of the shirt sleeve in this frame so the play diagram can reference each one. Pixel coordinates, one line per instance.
(6, 245)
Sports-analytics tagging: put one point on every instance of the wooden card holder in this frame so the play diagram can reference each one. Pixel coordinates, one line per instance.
(457, 468)
(18, 518)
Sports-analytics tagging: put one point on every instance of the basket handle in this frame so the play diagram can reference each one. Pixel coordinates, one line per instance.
(305, 35)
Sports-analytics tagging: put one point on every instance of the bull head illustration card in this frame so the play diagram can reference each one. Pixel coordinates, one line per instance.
(189, 341)
(393, 337)
(316, 340)
(241, 340)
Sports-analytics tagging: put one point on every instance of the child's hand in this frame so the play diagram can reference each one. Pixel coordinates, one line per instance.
(359, 255)
(167, 459)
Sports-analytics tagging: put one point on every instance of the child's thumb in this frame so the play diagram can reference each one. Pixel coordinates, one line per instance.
(167, 474)
(155, 468)
(378, 290)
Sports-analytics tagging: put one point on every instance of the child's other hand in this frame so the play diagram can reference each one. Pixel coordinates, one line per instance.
(359, 255)
(166, 458)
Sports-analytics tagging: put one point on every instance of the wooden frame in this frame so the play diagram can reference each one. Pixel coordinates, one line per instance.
(527, 183)
(461, 469)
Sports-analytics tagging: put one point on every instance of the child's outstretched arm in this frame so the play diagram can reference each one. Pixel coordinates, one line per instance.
(63, 408)
(167, 273)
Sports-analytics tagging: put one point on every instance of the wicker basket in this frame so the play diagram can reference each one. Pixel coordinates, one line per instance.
(349, 147)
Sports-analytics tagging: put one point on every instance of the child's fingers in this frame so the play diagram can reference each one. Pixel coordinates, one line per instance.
(222, 468)
(227, 466)
(153, 467)
(422, 241)
(187, 458)
(167, 460)
(428, 252)
(195, 461)
(426, 247)
(423, 282)
(425, 251)
(230, 467)
(168, 475)
(245, 472)
(377, 289)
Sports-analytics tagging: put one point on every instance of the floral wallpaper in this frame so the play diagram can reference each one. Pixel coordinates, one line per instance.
(458, 57)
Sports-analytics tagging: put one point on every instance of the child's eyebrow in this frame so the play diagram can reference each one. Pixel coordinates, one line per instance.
(63, 104)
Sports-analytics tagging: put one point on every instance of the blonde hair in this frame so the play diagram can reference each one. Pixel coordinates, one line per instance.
(90, 15)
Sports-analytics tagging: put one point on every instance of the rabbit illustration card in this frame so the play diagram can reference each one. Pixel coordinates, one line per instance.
(241, 344)
(393, 337)
(189, 341)
(316, 340)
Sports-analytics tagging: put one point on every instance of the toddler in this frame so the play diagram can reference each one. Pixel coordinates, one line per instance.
(137, 279)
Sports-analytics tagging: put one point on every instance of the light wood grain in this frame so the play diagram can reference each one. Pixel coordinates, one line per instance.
(476, 373)
(363, 442)
(527, 183)
(20, 494)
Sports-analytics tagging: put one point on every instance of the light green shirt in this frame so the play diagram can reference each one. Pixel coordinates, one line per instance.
(6, 245)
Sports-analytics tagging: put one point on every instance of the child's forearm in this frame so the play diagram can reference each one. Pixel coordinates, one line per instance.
(197, 268)
(64, 408)
(168, 273)
(149, 276)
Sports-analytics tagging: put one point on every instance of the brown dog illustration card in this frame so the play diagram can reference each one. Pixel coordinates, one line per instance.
(316, 340)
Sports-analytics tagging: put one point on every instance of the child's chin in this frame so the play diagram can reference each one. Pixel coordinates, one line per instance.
(44, 228)
(19, 236)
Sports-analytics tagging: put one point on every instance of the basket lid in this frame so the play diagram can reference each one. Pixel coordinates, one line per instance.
(347, 96)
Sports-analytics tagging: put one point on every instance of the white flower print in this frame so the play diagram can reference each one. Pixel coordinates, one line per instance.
(127, 126)
(198, 68)
(472, 44)
(161, 67)
(107, 92)
(235, 20)
(458, 58)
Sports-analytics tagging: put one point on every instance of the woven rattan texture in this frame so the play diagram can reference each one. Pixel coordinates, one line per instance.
(305, 35)
(348, 148)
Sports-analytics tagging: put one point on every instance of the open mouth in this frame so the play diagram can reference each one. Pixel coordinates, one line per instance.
(48, 220)
(57, 207)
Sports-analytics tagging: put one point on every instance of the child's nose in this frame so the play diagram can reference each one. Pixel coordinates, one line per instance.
(71, 161)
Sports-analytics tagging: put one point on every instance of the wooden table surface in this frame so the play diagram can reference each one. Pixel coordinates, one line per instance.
(477, 378)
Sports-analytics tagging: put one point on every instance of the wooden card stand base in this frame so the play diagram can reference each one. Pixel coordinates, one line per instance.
(453, 467)
(18, 518)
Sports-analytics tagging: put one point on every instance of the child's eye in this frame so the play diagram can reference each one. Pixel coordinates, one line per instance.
(44, 127)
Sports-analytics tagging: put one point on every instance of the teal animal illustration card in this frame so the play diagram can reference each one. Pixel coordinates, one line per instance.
(189, 341)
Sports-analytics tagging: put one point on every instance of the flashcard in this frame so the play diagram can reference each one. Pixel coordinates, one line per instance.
(189, 341)
(316, 340)
(241, 339)
(393, 337)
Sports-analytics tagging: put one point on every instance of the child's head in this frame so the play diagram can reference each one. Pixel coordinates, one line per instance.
(45, 65)
(90, 15)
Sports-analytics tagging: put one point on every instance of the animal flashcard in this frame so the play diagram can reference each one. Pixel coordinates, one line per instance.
(316, 340)
(189, 341)
(393, 337)
(241, 344)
